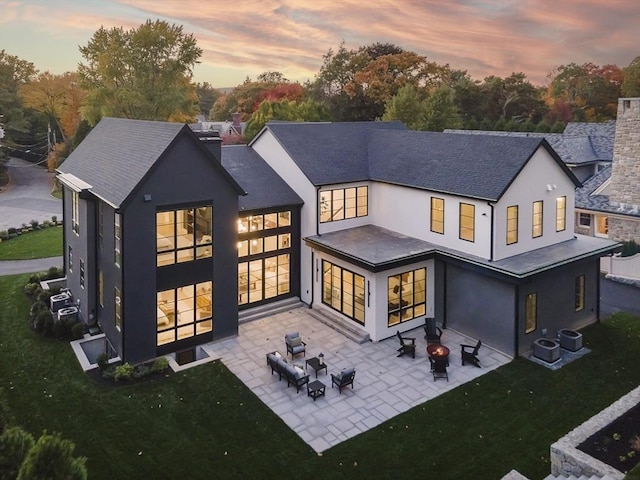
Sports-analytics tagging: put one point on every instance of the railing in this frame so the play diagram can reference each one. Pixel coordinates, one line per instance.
(627, 267)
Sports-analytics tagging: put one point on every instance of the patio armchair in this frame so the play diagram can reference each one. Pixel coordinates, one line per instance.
(407, 345)
(439, 368)
(432, 332)
(469, 353)
(344, 378)
(294, 343)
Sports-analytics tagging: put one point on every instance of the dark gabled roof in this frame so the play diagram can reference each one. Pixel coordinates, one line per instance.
(587, 200)
(329, 153)
(118, 153)
(476, 166)
(266, 188)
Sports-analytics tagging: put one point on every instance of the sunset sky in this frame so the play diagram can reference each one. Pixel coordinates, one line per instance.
(245, 38)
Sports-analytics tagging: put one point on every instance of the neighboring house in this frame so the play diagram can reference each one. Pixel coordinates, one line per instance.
(377, 226)
(474, 230)
(230, 132)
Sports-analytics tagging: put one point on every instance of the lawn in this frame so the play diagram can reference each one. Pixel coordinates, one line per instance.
(46, 242)
(204, 423)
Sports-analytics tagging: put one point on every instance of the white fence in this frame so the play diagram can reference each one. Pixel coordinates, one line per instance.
(626, 267)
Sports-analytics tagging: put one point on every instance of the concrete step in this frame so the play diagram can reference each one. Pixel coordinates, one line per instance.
(573, 477)
(268, 309)
(345, 327)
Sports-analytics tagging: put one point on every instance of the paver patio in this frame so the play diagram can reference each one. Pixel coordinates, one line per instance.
(385, 385)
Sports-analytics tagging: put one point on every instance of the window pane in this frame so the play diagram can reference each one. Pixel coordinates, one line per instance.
(243, 283)
(255, 223)
(561, 204)
(270, 220)
(336, 294)
(243, 225)
(284, 219)
(363, 201)
(256, 246)
(350, 203)
(325, 206)
(579, 288)
(270, 243)
(243, 248)
(537, 219)
(255, 281)
(204, 300)
(512, 225)
(467, 221)
(284, 240)
(283, 274)
(338, 205)
(326, 282)
(437, 215)
(530, 312)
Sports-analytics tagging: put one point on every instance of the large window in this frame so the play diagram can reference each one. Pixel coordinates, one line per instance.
(264, 250)
(584, 219)
(184, 312)
(467, 222)
(70, 257)
(101, 288)
(82, 273)
(100, 223)
(183, 235)
(407, 296)
(437, 215)
(579, 293)
(602, 226)
(531, 312)
(512, 224)
(117, 241)
(75, 212)
(343, 291)
(537, 219)
(561, 214)
(117, 301)
(343, 203)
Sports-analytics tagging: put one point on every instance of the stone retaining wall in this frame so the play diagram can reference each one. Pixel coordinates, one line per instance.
(567, 460)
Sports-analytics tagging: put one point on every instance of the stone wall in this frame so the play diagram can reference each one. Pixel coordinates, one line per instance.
(624, 230)
(625, 173)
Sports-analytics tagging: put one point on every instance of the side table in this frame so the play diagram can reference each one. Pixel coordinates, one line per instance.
(316, 365)
(315, 389)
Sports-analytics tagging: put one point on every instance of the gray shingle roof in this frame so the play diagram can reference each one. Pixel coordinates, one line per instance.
(477, 166)
(586, 200)
(265, 187)
(118, 153)
(329, 153)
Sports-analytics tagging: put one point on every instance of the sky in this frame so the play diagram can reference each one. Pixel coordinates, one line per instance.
(248, 37)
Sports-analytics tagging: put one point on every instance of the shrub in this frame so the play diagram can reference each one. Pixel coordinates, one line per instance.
(44, 296)
(60, 330)
(54, 219)
(15, 444)
(37, 307)
(46, 223)
(53, 272)
(35, 278)
(102, 361)
(4, 235)
(12, 231)
(630, 248)
(13, 235)
(34, 223)
(43, 322)
(160, 364)
(77, 331)
(52, 457)
(124, 372)
(31, 289)
(141, 371)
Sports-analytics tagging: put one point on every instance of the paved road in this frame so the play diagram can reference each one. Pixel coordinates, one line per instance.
(616, 297)
(28, 195)
(14, 267)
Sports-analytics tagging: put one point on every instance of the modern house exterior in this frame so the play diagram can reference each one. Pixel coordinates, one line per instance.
(377, 226)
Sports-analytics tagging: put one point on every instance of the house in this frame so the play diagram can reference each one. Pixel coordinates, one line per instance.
(168, 235)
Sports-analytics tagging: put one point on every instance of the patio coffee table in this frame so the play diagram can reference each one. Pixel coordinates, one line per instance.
(315, 389)
(316, 365)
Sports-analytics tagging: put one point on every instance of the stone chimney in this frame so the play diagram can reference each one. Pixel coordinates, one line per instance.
(212, 141)
(624, 186)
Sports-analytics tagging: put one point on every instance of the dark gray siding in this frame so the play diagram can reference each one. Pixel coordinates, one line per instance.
(481, 307)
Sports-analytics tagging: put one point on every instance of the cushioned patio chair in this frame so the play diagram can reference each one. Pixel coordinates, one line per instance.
(469, 353)
(344, 378)
(294, 343)
(432, 331)
(439, 368)
(407, 345)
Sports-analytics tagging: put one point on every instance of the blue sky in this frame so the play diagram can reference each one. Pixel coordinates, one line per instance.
(240, 39)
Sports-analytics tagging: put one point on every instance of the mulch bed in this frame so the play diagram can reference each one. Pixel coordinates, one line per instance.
(617, 444)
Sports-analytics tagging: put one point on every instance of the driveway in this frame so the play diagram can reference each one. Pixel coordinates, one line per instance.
(618, 297)
(28, 195)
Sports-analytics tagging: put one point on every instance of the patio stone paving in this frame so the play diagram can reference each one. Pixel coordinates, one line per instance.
(385, 385)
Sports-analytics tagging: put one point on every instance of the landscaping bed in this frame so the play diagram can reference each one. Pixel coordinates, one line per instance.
(617, 444)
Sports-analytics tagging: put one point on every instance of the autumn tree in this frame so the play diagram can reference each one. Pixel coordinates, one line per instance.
(142, 73)
(290, 110)
(631, 83)
(207, 96)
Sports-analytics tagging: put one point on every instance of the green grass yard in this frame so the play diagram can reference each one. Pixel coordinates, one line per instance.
(46, 242)
(204, 423)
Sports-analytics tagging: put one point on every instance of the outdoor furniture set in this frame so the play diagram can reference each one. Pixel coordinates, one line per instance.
(297, 376)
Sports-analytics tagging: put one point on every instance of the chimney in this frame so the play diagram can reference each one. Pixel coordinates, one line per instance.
(213, 142)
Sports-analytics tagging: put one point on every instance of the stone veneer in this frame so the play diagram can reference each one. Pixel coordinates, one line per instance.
(567, 460)
(624, 230)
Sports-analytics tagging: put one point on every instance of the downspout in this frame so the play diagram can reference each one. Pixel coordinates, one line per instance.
(312, 272)
(318, 211)
(491, 238)
(312, 252)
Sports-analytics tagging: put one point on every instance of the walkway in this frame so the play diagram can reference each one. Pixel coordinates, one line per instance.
(385, 385)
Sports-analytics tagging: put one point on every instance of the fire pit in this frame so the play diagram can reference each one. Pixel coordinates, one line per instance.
(437, 351)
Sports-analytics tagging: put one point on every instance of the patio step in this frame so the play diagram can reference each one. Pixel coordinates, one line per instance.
(573, 477)
(346, 328)
(268, 309)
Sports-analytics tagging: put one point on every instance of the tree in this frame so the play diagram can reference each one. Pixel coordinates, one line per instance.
(15, 443)
(408, 107)
(441, 111)
(143, 73)
(294, 111)
(207, 96)
(52, 458)
(631, 83)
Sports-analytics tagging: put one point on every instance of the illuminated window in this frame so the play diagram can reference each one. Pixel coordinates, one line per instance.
(437, 215)
(580, 292)
(537, 219)
(82, 273)
(101, 288)
(467, 222)
(184, 235)
(75, 211)
(530, 312)
(184, 312)
(342, 203)
(512, 224)
(117, 300)
(70, 256)
(561, 214)
(602, 225)
(117, 242)
(343, 291)
(406, 296)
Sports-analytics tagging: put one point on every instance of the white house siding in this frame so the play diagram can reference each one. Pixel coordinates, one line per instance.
(376, 302)
(532, 184)
(408, 211)
(272, 152)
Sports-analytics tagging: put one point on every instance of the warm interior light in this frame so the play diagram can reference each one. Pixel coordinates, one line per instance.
(239, 245)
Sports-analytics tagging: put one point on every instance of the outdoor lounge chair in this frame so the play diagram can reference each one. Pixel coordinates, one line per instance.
(469, 353)
(294, 343)
(344, 378)
(407, 345)
(439, 368)
(432, 331)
